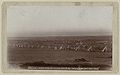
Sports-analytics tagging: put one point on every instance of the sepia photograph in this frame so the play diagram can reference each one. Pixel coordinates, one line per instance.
(70, 36)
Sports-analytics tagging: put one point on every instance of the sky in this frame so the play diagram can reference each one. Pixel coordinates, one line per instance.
(35, 21)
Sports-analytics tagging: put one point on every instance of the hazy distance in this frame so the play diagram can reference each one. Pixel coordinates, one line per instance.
(35, 21)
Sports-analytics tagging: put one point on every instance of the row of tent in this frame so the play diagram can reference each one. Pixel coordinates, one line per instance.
(102, 47)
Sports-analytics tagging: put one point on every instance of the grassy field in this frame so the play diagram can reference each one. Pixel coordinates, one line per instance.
(22, 56)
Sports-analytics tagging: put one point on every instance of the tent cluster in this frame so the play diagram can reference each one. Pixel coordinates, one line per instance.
(73, 45)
